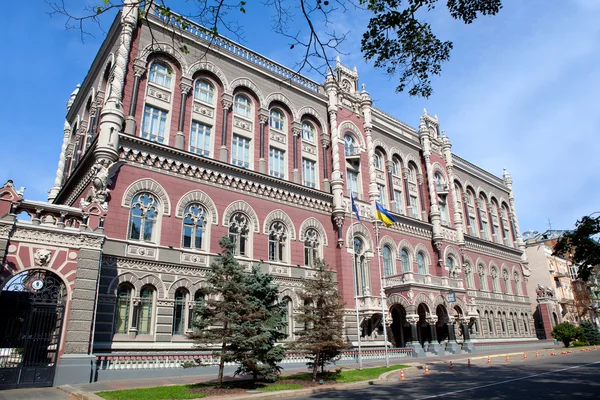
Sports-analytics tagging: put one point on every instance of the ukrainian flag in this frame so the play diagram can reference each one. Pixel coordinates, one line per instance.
(383, 215)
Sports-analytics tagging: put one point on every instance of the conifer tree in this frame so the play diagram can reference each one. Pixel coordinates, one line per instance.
(321, 318)
(216, 320)
(590, 333)
(260, 328)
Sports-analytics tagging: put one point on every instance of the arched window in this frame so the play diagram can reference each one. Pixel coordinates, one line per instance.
(124, 294)
(412, 174)
(350, 147)
(145, 310)
(277, 120)
(378, 160)
(312, 246)
(440, 184)
(483, 216)
(502, 322)
(514, 322)
(396, 167)
(490, 318)
(360, 267)
(204, 91)
(308, 132)
(242, 106)
(143, 217)
(449, 263)
(238, 233)
(198, 302)
(405, 261)
(285, 319)
(277, 242)
(421, 264)
(194, 226)
(525, 323)
(160, 74)
(179, 313)
(388, 261)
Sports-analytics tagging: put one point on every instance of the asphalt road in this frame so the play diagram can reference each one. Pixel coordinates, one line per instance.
(569, 376)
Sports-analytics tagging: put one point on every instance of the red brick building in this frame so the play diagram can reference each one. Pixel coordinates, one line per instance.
(166, 152)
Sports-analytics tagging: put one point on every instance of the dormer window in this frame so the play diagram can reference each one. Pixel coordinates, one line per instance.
(242, 106)
(204, 91)
(160, 75)
(277, 120)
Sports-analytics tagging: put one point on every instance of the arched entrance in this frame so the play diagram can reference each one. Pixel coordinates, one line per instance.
(400, 327)
(555, 317)
(423, 324)
(32, 305)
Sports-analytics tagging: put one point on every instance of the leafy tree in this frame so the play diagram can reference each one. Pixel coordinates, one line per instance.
(581, 246)
(321, 317)
(260, 328)
(566, 333)
(590, 333)
(397, 37)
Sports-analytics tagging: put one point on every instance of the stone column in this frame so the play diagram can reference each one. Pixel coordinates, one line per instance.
(421, 196)
(226, 102)
(296, 132)
(434, 211)
(263, 116)
(452, 347)
(60, 170)
(138, 70)
(389, 166)
(325, 142)
(368, 126)
(414, 344)
(77, 364)
(468, 345)
(458, 219)
(434, 346)
(405, 173)
(186, 86)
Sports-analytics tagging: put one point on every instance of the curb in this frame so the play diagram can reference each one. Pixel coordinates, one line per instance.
(78, 394)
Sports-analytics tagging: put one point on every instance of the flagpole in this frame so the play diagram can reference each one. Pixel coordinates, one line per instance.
(355, 286)
(382, 293)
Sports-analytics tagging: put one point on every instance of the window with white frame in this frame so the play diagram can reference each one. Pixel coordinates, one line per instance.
(378, 160)
(350, 147)
(200, 139)
(143, 217)
(276, 162)
(277, 119)
(421, 269)
(194, 226)
(309, 173)
(404, 260)
(179, 311)
(352, 183)
(238, 233)
(360, 267)
(443, 212)
(240, 151)
(145, 311)
(204, 91)
(285, 318)
(440, 184)
(312, 245)
(414, 207)
(382, 198)
(308, 132)
(160, 75)
(277, 242)
(242, 106)
(123, 311)
(398, 200)
(388, 261)
(396, 168)
(412, 174)
(154, 124)
(193, 316)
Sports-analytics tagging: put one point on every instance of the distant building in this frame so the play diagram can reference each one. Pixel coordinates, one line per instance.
(166, 152)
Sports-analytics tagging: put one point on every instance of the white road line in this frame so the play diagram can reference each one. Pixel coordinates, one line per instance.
(509, 380)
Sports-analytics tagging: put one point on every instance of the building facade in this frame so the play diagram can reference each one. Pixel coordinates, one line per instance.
(164, 152)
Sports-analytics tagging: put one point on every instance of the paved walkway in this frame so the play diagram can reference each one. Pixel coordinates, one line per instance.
(290, 369)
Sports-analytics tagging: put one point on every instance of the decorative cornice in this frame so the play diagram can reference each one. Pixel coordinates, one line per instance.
(493, 249)
(51, 236)
(216, 173)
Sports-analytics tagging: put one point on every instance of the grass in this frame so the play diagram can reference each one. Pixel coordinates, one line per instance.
(177, 392)
(352, 375)
(280, 386)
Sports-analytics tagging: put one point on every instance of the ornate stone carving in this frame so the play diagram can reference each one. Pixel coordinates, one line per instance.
(99, 191)
(42, 257)
(544, 292)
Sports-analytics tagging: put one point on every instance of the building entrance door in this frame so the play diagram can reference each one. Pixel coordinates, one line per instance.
(32, 306)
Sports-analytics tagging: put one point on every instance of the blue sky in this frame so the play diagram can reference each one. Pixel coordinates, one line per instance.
(521, 91)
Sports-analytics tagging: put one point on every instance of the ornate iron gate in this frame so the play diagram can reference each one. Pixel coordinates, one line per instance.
(32, 308)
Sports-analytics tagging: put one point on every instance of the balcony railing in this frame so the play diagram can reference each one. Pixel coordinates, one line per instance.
(351, 151)
(408, 278)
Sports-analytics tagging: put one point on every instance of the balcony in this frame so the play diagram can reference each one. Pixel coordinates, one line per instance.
(441, 189)
(352, 152)
(411, 279)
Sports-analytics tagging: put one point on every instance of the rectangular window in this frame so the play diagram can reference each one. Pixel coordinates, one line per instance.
(352, 182)
(473, 225)
(484, 227)
(240, 151)
(200, 139)
(443, 215)
(153, 124)
(398, 200)
(414, 207)
(276, 162)
(382, 198)
(309, 176)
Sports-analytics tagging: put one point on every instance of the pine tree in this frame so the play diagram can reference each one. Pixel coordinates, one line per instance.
(216, 320)
(321, 316)
(590, 333)
(260, 328)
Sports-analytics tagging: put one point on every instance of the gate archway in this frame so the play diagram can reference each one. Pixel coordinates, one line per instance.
(32, 308)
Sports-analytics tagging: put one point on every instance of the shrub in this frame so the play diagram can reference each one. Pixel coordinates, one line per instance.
(579, 344)
(566, 332)
(590, 333)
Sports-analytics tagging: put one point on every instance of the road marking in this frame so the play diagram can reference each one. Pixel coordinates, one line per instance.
(509, 380)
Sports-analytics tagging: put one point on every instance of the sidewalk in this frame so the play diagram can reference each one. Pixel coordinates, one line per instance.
(85, 391)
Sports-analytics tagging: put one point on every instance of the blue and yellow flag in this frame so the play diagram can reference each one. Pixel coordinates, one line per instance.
(354, 208)
(383, 215)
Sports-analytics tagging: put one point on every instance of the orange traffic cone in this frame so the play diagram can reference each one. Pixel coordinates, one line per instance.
(468, 363)
(507, 358)
(426, 369)
(524, 356)
(595, 348)
(537, 355)
(451, 366)
(401, 374)
(489, 360)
